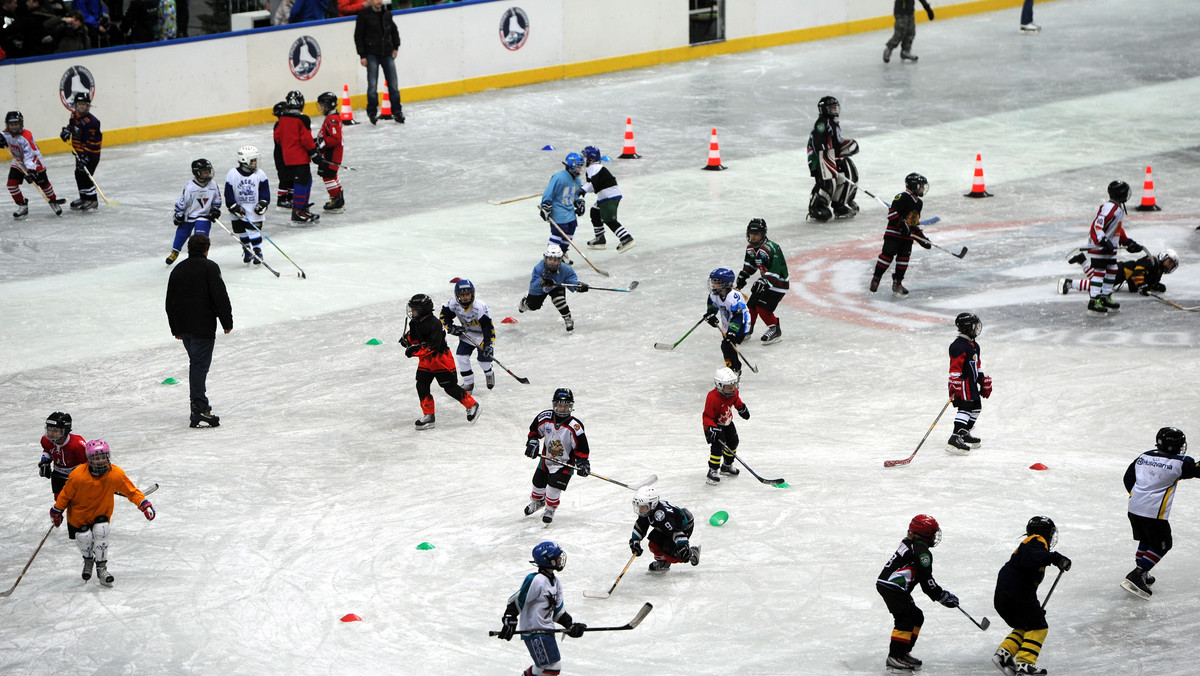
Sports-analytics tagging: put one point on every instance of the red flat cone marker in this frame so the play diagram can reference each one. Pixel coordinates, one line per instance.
(351, 617)
(508, 320)
(1037, 466)
(456, 280)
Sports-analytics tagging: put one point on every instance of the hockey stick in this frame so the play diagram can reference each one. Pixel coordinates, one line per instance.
(91, 178)
(668, 348)
(246, 247)
(53, 203)
(983, 624)
(772, 482)
(645, 482)
(1056, 579)
(299, 274)
(632, 285)
(145, 493)
(515, 199)
(960, 254)
(893, 463)
(735, 349)
(632, 624)
(604, 595)
(929, 221)
(582, 255)
(1174, 304)
(523, 381)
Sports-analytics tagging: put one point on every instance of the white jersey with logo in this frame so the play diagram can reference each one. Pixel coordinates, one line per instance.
(247, 190)
(24, 150)
(197, 201)
(563, 441)
(470, 318)
(1154, 476)
(540, 602)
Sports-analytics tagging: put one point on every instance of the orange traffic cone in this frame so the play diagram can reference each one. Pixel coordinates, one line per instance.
(347, 111)
(385, 111)
(628, 151)
(977, 189)
(1148, 203)
(714, 154)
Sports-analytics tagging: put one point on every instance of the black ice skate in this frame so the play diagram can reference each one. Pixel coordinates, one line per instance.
(257, 259)
(874, 284)
(102, 575)
(898, 289)
(625, 245)
(205, 419)
(473, 413)
(1004, 661)
(490, 379)
(534, 506)
(22, 209)
(569, 322)
(773, 335)
(76, 205)
(1110, 304)
(87, 567)
(845, 210)
(597, 243)
(660, 566)
(284, 202)
(548, 515)
(335, 205)
(957, 445)
(1077, 259)
(972, 440)
(247, 255)
(1135, 583)
(304, 217)
(172, 256)
(1064, 285)
(523, 306)
(425, 422)
(909, 56)
(1096, 307)
(730, 470)
(1028, 668)
(713, 478)
(898, 665)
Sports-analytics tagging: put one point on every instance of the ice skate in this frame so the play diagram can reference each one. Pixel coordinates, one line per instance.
(1003, 660)
(569, 322)
(898, 289)
(284, 202)
(874, 284)
(1077, 259)
(597, 243)
(87, 567)
(473, 413)
(490, 379)
(567, 259)
(887, 54)
(247, 255)
(912, 661)
(523, 306)
(54, 205)
(257, 259)
(625, 245)
(425, 422)
(548, 515)
(1029, 668)
(844, 211)
(102, 575)
(22, 210)
(660, 566)
(304, 217)
(1030, 28)
(172, 256)
(1135, 583)
(534, 506)
(956, 445)
(204, 419)
(76, 205)
(972, 440)
(1096, 307)
(90, 203)
(729, 470)
(469, 388)
(909, 56)
(772, 336)
(898, 665)
(335, 204)
(1110, 304)
(713, 478)
(1064, 285)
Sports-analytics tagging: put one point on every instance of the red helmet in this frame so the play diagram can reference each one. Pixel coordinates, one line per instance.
(926, 527)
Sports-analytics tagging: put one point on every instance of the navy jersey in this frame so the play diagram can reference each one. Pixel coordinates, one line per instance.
(674, 522)
(966, 368)
(903, 217)
(1026, 568)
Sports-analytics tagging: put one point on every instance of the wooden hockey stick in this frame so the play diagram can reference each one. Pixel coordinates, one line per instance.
(960, 254)
(604, 595)
(582, 255)
(645, 482)
(1174, 304)
(515, 199)
(672, 346)
(894, 463)
(632, 624)
(92, 179)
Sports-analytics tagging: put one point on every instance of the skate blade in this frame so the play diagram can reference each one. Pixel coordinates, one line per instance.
(597, 246)
(772, 341)
(710, 482)
(332, 211)
(955, 450)
(1133, 589)
(975, 445)
(625, 247)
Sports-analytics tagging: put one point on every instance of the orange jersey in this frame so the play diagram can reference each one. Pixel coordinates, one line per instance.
(86, 497)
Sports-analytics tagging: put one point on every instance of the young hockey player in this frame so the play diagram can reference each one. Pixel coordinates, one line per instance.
(726, 311)
(903, 226)
(562, 201)
(329, 145)
(1143, 275)
(552, 277)
(719, 429)
(26, 164)
(197, 207)
(608, 197)
(1016, 597)
(910, 566)
(670, 530)
(247, 196)
(293, 132)
(283, 189)
(475, 331)
(536, 606)
(905, 29)
(765, 257)
(62, 451)
(1151, 481)
(87, 498)
(426, 340)
(830, 166)
(561, 436)
(967, 383)
(84, 135)
(1106, 234)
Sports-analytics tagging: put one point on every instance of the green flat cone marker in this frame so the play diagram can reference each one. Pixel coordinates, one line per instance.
(783, 485)
(719, 518)
(170, 381)
(374, 341)
(425, 545)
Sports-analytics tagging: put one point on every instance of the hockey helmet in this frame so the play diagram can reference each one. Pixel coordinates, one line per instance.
(83, 98)
(829, 106)
(15, 121)
(420, 305)
(464, 292)
(916, 184)
(591, 154)
(645, 500)
(549, 555)
(552, 256)
(97, 453)
(328, 101)
(294, 100)
(573, 163)
(1043, 526)
(758, 227)
(562, 403)
(279, 108)
(1169, 261)
(721, 281)
(968, 324)
(926, 527)
(248, 158)
(1118, 191)
(726, 381)
(58, 426)
(1171, 440)
(202, 171)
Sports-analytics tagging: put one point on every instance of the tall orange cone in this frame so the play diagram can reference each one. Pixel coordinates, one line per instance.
(628, 151)
(977, 189)
(385, 111)
(347, 111)
(714, 154)
(1148, 202)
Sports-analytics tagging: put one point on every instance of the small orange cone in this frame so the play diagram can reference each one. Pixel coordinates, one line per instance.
(351, 617)
(628, 151)
(977, 189)
(1148, 203)
(508, 320)
(385, 111)
(347, 111)
(1038, 467)
(714, 154)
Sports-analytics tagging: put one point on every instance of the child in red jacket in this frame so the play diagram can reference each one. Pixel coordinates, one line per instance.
(718, 424)
(329, 145)
(293, 133)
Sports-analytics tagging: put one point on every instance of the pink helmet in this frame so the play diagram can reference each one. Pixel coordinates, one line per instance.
(97, 453)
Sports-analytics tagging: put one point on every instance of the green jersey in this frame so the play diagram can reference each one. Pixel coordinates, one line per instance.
(766, 258)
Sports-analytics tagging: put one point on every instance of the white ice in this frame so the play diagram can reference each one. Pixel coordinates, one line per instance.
(309, 501)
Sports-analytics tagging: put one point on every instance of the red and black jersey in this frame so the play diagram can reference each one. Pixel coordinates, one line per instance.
(66, 457)
(911, 565)
(330, 139)
(904, 216)
(965, 361)
(427, 332)
(717, 408)
(86, 136)
(293, 133)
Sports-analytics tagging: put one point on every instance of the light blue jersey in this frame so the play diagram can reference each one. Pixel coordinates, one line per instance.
(561, 193)
(543, 281)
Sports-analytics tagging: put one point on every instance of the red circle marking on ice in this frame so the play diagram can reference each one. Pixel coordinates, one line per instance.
(1038, 466)
(351, 617)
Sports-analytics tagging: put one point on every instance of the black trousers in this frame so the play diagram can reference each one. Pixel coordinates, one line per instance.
(199, 349)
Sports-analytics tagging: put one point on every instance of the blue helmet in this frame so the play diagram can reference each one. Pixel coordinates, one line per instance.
(721, 279)
(591, 154)
(549, 555)
(461, 290)
(573, 163)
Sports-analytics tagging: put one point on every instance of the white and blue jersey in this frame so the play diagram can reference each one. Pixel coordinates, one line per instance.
(247, 191)
(561, 194)
(543, 281)
(539, 602)
(1151, 480)
(197, 201)
(731, 312)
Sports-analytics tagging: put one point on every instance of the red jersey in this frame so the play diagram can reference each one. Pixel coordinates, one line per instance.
(294, 139)
(718, 408)
(66, 457)
(330, 137)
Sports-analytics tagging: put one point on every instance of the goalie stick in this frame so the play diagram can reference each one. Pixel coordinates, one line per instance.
(632, 624)
(671, 346)
(645, 482)
(604, 595)
(905, 461)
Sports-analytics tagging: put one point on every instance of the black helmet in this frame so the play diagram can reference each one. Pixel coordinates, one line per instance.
(59, 420)
(14, 117)
(916, 184)
(1043, 526)
(1118, 191)
(279, 108)
(199, 167)
(81, 97)
(757, 226)
(562, 395)
(295, 100)
(1171, 440)
(420, 305)
(829, 106)
(328, 102)
(968, 324)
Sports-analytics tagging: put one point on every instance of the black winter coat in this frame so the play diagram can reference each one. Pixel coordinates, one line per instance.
(375, 33)
(196, 298)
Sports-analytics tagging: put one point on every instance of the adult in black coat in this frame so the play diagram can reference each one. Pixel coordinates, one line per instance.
(196, 299)
(377, 41)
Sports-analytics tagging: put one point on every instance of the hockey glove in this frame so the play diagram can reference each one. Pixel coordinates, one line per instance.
(38, 177)
(711, 318)
(315, 156)
(81, 164)
(509, 628)
(584, 466)
(712, 434)
(411, 350)
(177, 220)
(44, 468)
(734, 335)
(1133, 247)
(929, 12)
(56, 516)
(237, 210)
(261, 207)
(958, 388)
(65, 134)
(1063, 563)
(3, 143)
(576, 629)
(635, 546)
(404, 341)
(1107, 248)
(949, 600)
(485, 352)
(214, 213)
(744, 412)
(582, 288)
(683, 551)
(580, 207)
(1158, 286)
(454, 329)
(741, 283)
(147, 509)
(531, 448)
(761, 286)
(985, 387)
(544, 211)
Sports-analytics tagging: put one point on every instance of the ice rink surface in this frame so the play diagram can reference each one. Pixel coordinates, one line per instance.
(309, 501)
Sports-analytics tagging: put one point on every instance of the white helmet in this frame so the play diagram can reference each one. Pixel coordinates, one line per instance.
(1169, 255)
(645, 500)
(553, 251)
(726, 381)
(246, 155)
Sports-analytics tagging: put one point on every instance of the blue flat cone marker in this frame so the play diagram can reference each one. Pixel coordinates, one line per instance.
(425, 545)
(547, 147)
(374, 341)
(719, 518)
(170, 381)
(605, 158)
(783, 485)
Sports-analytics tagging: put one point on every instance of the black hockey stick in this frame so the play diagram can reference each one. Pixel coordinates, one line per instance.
(523, 381)
(299, 274)
(246, 247)
(739, 352)
(582, 255)
(772, 482)
(928, 221)
(960, 254)
(1173, 303)
(645, 482)
(672, 346)
(894, 463)
(632, 624)
(1056, 579)
(604, 595)
(983, 624)
(632, 285)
